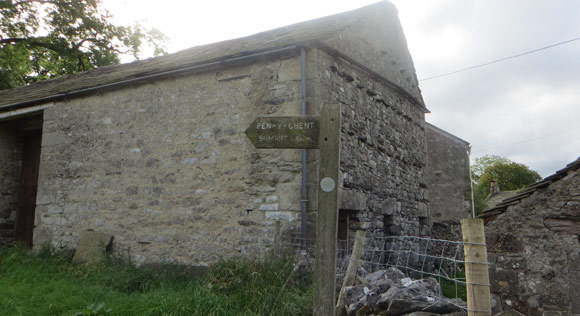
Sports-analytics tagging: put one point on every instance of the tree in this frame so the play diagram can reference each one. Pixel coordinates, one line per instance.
(481, 163)
(508, 174)
(43, 39)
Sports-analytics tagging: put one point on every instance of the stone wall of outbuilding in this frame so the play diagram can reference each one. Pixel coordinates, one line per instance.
(166, 169)
(447, 173)
(534, 251)
(10, 169)
(383, 149)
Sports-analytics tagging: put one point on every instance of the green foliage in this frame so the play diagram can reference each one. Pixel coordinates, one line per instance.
(452, 289)
(481, 163)
(262, 284)
(508, 174)
(50, 285)
(512, 176)
(95, 310)
(479, 201)
(43, 39)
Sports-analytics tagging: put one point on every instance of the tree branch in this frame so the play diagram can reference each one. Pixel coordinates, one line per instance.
(57, 2)
(91, 39)
(32, 42)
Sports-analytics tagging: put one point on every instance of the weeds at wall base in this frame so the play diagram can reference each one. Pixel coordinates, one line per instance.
(45, 283)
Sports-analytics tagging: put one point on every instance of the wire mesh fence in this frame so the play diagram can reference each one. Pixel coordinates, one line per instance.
(410, 260)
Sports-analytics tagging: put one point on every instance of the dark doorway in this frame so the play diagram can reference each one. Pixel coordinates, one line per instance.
(343, 243)
(343, 224)
(31, 141)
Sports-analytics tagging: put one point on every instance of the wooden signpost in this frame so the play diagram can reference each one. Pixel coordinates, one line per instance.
(327, 214)
(284, 132)
(313, 132)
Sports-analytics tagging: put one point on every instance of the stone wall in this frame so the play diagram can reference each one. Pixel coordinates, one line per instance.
(383, 149)
(165, 166)
(534, 251)
(10, 168)
(447, 173)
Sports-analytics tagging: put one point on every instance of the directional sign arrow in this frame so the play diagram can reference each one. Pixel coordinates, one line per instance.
(284, 132)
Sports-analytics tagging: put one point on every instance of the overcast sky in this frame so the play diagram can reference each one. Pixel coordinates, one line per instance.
(526, 108)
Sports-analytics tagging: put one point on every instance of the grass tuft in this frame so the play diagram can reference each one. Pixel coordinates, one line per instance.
(452, 289)
(47, 284)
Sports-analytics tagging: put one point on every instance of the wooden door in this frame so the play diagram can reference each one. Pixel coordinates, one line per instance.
(24, 225)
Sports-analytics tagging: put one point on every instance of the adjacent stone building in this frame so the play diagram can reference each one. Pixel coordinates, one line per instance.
(534, 249)
(448, 181)
(154, 152)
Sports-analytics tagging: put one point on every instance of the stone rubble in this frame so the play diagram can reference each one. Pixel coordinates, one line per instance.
(390, 291)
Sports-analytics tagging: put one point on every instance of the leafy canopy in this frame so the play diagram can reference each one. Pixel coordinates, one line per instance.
(508, 174)
(43, 39)
(481, 163)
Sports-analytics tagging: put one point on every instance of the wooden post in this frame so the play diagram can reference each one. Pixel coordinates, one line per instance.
(327, 213)
(476, 267)
(350, 274)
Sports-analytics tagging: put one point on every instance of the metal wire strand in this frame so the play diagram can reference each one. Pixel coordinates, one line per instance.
(420, 257)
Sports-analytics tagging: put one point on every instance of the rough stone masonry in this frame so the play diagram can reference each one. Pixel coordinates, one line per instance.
(154, 153)
(166, 169)
(10, 153)
(534, 248)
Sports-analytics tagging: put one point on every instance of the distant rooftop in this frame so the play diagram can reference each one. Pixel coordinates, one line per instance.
(445, 133)
(496, 198)
(505, 203)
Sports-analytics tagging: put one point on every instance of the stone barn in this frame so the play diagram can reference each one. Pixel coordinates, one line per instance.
(448, 181)
(534, 248)
(154, 153)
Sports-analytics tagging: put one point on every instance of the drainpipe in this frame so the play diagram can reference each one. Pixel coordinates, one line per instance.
(471, 182)
(303, 189)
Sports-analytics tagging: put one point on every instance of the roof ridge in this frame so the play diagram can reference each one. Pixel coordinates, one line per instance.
(338, 30)
(531, 189)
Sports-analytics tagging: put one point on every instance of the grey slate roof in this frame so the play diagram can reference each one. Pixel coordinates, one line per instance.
(503, 205)
(370, 36)
(496, 198)
(436, 129)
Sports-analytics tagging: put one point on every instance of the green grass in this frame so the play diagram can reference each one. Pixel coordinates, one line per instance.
(451, 289)
(47, 284)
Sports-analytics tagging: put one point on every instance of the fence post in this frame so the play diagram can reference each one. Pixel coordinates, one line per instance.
(476, 267)
(353, 264)
(327, 212)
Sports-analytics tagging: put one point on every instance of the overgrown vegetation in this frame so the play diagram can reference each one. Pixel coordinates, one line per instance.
(452, 289)
(509, 175)
(47, 284)
(43, 39)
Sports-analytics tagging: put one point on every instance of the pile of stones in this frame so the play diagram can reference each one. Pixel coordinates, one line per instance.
(390, 292)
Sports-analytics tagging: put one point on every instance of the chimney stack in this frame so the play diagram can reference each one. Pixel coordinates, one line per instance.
(493, 187)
